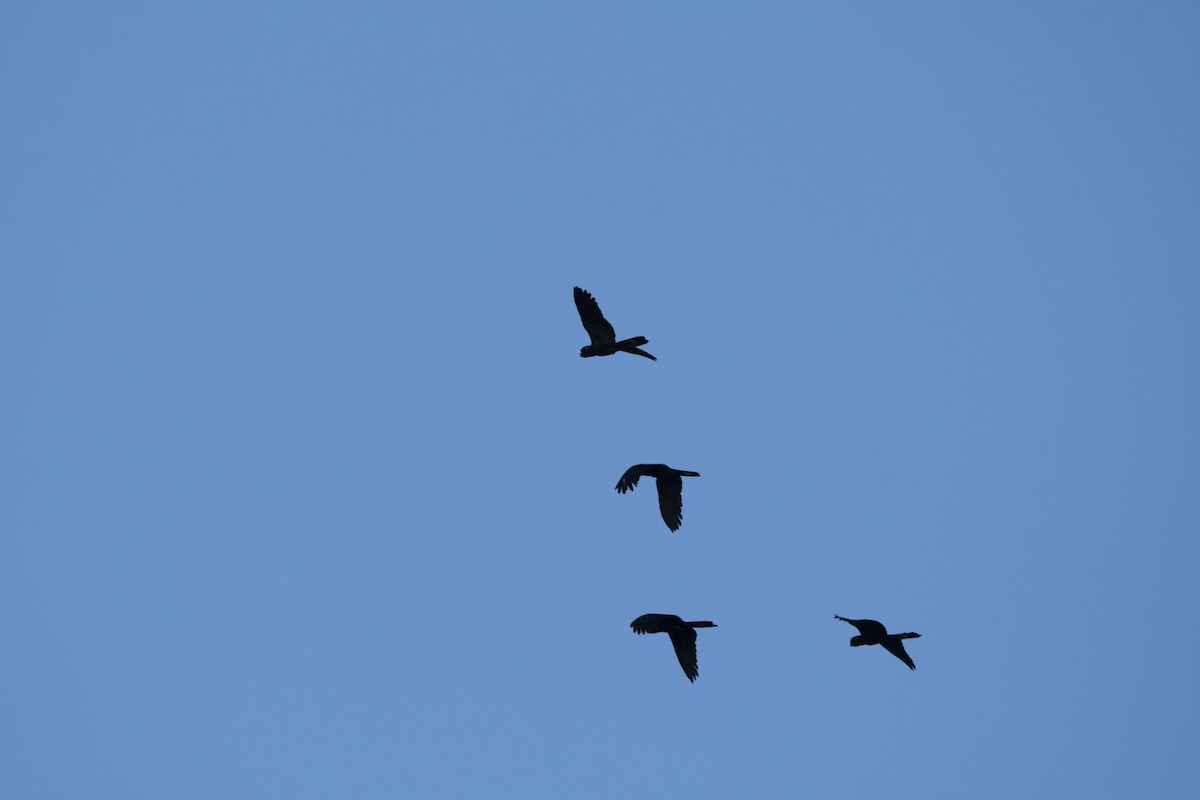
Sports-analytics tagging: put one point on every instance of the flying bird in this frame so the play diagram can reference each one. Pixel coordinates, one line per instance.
(670, 489)
(683, 637)
(872, 632)
(604, 338)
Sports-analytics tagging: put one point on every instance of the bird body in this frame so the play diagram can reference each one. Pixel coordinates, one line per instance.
(872, 632)
(683, 637)
(601, 332)
(670, 489)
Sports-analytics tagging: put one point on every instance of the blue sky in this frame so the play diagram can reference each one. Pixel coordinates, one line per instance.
(308, 494)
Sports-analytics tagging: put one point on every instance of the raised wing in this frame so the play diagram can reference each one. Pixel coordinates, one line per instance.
(684, 642)
(670, 500)
(598, 328)
(896, 648)
(867, 627)
(630, 478)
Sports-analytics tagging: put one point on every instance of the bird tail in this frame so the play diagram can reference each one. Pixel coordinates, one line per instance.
(633, 346)
(685, 472)
(908, 636)
(701, 624)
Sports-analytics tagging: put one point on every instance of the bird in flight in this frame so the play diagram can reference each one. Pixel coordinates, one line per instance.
(683, 637)
(670, 489)
(872, 632)
(604, 338)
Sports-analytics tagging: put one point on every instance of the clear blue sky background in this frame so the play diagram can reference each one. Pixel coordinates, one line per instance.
(308, 494)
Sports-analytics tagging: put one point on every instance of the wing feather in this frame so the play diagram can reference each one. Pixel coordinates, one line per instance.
(896, 648)
(654, 623)
(684, 642)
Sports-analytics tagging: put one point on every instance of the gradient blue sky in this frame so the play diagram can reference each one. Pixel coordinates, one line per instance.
(307, 493)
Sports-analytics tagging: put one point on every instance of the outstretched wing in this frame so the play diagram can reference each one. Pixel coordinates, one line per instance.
(597, 327)
(655, 623)
(684, 642)
(670, 500)
(630, 478)
(896, 648)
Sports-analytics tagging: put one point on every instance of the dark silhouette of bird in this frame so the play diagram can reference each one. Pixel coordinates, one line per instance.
(670, 489)
(872, 632)
(683, 637)
(604, 338)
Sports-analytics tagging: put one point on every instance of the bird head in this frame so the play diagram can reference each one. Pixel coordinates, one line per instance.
(856, 641)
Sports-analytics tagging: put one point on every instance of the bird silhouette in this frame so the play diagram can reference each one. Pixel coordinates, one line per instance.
(670, 489)
(683, 637)
(872, 632)
(604, 338)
